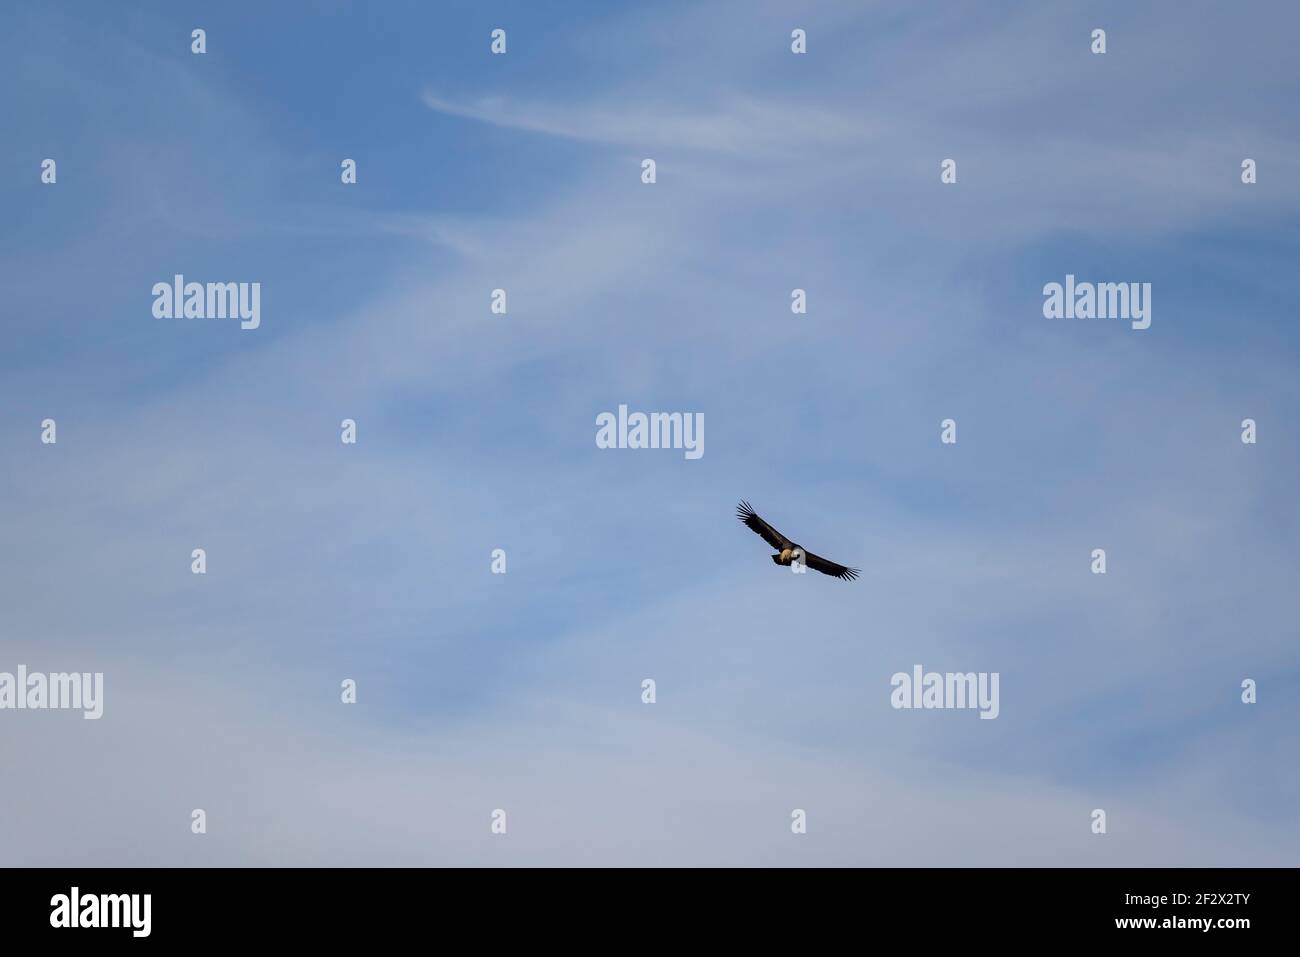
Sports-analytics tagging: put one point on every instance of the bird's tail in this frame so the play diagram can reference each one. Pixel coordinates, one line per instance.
(776, 559)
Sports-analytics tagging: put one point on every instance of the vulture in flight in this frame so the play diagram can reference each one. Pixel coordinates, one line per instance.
(789, 551)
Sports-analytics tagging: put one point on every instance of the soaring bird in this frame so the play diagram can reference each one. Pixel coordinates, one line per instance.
(789, 552)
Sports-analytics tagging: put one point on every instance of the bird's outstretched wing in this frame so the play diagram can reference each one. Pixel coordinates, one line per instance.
(746, 514)
(826, 567)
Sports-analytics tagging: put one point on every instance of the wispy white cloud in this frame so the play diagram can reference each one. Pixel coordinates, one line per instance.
(741, 125)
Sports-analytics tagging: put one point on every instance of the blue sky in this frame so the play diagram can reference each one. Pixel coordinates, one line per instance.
(478, 691)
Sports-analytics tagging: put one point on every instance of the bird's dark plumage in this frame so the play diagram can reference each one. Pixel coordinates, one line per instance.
(746, 513)
(770, 535)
